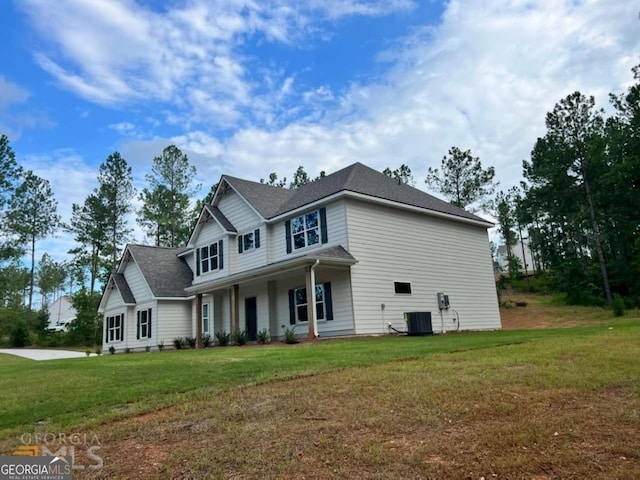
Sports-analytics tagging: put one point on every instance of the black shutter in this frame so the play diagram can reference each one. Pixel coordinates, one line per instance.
(106, 330)
(198, 261)
(122, 327)
(138, 327)
(323, 225)
(328, 303)
(239, 243)
(149, 327)
(287, 227)
(220, 255)
(292, 307)
(256, 238)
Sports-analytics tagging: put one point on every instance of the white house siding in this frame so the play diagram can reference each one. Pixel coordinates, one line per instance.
(239, 213)
(434, 255)
(172, 319)
(342, 323)
(131, 327)
(336, 233)
(61, 310)
(137, 283)
(114, 306)
(227, 248)
(250, 259)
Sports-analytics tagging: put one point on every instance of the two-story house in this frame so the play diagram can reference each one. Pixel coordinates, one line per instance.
(347, 254)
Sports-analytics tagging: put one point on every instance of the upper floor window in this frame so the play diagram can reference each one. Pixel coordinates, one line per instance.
(306, 230)
(249, 241)
(144, 324)
(209, 258)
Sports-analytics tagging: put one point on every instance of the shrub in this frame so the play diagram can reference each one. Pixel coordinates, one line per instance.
(112, 349)
(88, 353)
(179, 342)
(506, 304)
(98, 351)
(618, 305)
(191, 341)
(290, 336)
(127, 350)
(20, 334)
(223, 338)
(147, 348)
(161, 345)
(240, 338)
(206, 340)
(521, 303)
(263, 336)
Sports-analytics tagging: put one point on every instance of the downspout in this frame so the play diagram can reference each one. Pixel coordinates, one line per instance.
(313, 293)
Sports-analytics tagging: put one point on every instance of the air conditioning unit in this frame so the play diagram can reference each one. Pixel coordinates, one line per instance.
(418, 323)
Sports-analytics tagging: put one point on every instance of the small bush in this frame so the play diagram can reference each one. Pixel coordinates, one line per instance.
(112, 349)
(161, 345)
(263, 336)
(127, 350)
(521, 303)
(240, 338)
(147, 348)
(20, 335)
(223, 338)
(179, 342)
(88, 353)
(290, 336)
(507, 304)
(98, 351)
(191, 341)
(618, 305)
(206, 340)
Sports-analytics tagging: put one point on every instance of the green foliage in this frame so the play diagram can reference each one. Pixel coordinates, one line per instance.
(112, 350)
(263, 336)
(300, 177)
(50, 277)
(273, 180)
(461, 178)
(402, 174)
(191, 341)
(179, 342)
(618, 305)
(20, 335)
(14, 281)
(206, 340)
(165, 210)
(223, 338)
(240, 338)
(161, 345)
(86, 329)
(147, 348)
(290, 336)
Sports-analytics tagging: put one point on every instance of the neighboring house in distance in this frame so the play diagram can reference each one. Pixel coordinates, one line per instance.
(348, 254)
(522, 251)
(61, 314)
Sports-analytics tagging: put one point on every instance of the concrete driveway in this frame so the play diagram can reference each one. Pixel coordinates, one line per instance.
(41, 354)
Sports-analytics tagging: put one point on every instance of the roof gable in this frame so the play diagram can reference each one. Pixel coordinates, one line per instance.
(166, 274)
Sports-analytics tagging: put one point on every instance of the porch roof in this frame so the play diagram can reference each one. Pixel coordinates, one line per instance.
(336, 256)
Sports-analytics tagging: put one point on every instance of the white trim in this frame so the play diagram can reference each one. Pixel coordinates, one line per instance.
(199, 225)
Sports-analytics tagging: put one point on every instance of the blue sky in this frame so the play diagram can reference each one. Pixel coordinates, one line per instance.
(251, 87)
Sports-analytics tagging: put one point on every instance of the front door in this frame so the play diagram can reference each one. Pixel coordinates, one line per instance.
(251, 317)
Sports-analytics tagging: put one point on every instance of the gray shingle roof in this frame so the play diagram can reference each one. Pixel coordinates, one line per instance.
(338, 252)
(166, 274)
(357, 178)
(224, 221)
(266, 199)
(123, 288)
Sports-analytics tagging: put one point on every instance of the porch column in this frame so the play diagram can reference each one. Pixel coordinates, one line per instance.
(235, 309)
(311, 302)
(199, 320)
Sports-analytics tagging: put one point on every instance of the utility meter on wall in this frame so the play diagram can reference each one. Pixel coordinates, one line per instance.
(443, 301)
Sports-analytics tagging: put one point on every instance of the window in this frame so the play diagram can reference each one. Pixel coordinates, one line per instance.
(209, 258)
(249, 241)
(402, 287)
(306, 230)
(144, 324)
(205, 319)
(298, 303)
(115, 328)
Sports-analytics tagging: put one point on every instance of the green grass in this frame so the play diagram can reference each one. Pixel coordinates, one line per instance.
(85, 392)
